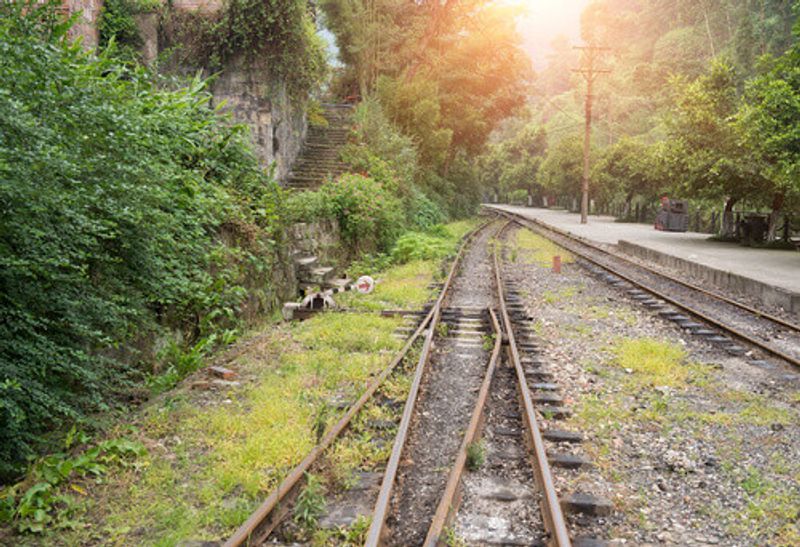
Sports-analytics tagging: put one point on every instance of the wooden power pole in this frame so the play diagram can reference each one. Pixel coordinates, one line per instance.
(590, 72)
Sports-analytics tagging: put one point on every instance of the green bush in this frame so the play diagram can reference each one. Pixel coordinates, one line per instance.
(114, 194)
(380, 138)
(308, 207)
(423, 213)
(518, 197)
(370, 217)
(419, 246)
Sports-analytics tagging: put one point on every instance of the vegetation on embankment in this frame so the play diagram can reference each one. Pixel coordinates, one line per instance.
(137, 228)
(139, 231)
(196, 461)
(140, 234)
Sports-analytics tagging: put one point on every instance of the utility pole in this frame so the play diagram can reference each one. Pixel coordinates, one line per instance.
(589, 72)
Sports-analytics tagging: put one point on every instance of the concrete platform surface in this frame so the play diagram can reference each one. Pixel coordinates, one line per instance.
(779, 269)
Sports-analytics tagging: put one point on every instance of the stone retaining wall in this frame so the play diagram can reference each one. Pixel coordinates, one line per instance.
(321, 239)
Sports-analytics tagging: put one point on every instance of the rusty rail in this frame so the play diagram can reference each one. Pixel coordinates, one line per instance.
(551, 507)
(268, 515)
(713, 294)
(660, 294)
(445, 511)
(381, 511)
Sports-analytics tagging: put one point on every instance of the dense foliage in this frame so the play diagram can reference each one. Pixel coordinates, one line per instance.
(701, 103)
(127, 208)
(443, 74)
(378, 199)
(279, 34)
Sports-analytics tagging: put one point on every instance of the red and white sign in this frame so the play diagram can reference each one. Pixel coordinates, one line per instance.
(365, 284)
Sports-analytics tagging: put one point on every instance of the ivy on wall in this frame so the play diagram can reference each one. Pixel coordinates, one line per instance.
(282, 33)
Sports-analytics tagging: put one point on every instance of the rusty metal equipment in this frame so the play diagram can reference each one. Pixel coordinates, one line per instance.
(673, 216)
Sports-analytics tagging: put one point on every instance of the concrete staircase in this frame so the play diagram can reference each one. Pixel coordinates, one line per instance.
(311, 274)
(319, 157)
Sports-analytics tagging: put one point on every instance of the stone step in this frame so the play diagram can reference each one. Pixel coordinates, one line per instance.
(307, 161)
(315, 158)
(314, 177)
(338, 131)
(319, 155)
(303, 187)
(322, 147)
(318, 162)
(299, 178)
(306, 262)
(339, 284)
(316, 172)
(323, 143)
(319, 275)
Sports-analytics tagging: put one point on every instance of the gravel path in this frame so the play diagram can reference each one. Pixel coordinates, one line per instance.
(781, 338)
(446, 398)
(500, 501)
(706, 454)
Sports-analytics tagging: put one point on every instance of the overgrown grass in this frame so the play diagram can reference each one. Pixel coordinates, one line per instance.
(655, 377)
(212, 458)
(652, 362)
(564, 294)
(771, 510)
(210, 465)
(532, 248)
(407, 286)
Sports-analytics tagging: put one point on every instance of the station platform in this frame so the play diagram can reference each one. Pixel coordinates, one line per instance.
(770, 276)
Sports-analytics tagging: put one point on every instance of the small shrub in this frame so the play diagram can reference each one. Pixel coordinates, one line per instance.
(307, 207)
(423, 212)
(310, 503)
(369, 216)
(369, 264)
(316, 115)
(43, 504)
(452, 539)
(476, 455)
(419, 246)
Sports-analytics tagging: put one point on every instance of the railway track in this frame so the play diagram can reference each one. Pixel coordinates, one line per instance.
(721, 319)
(509, 495)
(478, 368)
(260, 525)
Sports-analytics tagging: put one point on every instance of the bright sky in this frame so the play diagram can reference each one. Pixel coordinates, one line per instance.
(545, 20)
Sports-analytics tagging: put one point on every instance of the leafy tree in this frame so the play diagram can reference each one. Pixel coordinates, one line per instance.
(414, 106)
(627, 169)
(704, 150)
(769, 122)
(445, 74)
(513, 164)
(561, 173)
